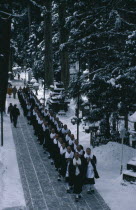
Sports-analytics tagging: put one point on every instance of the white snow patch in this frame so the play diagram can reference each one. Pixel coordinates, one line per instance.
(11, 192)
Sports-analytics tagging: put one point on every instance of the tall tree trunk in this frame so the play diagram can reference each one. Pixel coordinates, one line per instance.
(126, 121)
(114, 120)
(10, 60)
(29, 17)
(5, 31)
(48, 43)
(107, 118)
(64, 58)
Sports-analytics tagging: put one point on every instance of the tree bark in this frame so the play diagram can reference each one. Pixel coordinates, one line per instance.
(5, 31)
(29, 17)
(126, 121)
(64, 58)
(48, 44)
(10, 61)
(114, 120)
(107, 118)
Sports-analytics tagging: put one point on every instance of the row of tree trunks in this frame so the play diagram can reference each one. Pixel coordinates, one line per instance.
(29, 17)
(48, 44)
(64, 58)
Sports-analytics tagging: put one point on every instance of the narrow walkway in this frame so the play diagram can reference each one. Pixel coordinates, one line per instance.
(39, 178)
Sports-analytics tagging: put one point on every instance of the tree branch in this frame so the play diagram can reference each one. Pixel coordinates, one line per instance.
(130, 24)
(12, 15)
(127, 11)
(36, 4)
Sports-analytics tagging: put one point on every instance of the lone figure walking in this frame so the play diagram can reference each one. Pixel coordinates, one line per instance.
(15, 113)
(14, 90)
(10, 112)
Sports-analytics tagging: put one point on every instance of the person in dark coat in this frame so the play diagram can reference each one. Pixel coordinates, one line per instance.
(61, 161)
(15, 113)
(50, 145)
(18, 76)
(55, 152)
(75, 175)
(91, 171)
(10, 112)
(46, 137)
(68, 157)
(14, 90)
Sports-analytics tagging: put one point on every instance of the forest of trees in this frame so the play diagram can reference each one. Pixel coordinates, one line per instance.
(50, 35)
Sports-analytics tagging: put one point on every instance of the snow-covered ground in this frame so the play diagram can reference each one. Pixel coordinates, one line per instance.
(118, 194)
(11, 192)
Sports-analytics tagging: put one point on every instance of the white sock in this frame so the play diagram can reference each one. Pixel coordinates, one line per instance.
(68, 186)
(88, 187)
(91, 186)
(76, 195)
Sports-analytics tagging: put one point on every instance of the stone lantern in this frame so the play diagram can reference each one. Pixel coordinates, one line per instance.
(33, 80)
(36, 87)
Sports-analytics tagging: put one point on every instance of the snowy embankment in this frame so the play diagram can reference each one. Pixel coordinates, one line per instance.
(118, 194)
(11, 192)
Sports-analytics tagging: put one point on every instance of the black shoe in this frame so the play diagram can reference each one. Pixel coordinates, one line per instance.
(76, 199)
(59, 178)
(88, 192)
(92, 191)
(79, 196)
(68, 191)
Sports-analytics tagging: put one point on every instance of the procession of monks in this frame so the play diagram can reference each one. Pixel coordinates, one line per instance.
(74, 165)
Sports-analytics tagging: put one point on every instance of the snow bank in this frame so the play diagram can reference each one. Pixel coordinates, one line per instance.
(2, 170)
(11, 192)
(118, 194)
(110, 155)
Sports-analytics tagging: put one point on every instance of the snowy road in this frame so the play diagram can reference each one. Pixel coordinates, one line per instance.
(39, 179)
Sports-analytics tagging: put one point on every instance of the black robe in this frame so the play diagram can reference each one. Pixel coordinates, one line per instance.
(76, 180)
(63, 165)
(93, 162)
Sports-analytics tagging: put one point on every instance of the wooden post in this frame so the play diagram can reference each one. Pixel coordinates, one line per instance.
(78, 118)
(122, 135)
(121, 168)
